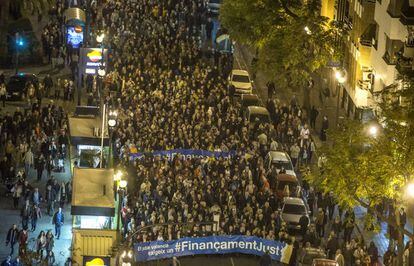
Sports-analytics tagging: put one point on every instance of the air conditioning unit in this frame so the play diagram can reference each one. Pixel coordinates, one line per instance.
(368, 76)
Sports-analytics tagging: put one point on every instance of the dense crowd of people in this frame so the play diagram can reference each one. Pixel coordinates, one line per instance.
(33, 143)
(171, 97)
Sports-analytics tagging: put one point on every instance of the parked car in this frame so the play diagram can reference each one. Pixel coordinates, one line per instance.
(309, 256)
(257, 114)
(324, 262)
(283, 180)
(279, 159)
(241, 81)
(213, 6)
(292, 210)
(16, 86)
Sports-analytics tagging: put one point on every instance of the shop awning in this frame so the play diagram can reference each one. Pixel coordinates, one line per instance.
(86, 131)
(93, 192)
(74, 16)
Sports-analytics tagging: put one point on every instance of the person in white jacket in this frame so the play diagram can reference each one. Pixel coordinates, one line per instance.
(28, 161)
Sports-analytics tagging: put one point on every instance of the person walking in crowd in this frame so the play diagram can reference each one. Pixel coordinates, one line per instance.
(58, 220)
(41, 244)
(23, 240)
(12, 238)
(35, 215)
(25, 214)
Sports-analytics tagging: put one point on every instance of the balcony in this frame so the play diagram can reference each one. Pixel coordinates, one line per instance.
(394, 8)
(390, 59)
(405, 67)
(405, 61)
(369, 37)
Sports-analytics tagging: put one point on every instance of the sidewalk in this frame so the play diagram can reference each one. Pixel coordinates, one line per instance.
(62, 246)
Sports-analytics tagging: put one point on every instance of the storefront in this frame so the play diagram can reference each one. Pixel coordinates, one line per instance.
(86, 139)
(93, 214)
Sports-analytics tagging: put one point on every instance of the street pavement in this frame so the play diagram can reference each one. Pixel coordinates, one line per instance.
(12, 216)
(62, 246)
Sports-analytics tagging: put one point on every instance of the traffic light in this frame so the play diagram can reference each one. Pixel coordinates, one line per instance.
(20, 42)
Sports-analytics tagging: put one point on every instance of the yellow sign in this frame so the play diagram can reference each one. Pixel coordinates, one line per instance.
(95, 262)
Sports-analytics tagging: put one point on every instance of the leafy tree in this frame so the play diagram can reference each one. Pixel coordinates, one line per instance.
(276, 29)
(363, 170)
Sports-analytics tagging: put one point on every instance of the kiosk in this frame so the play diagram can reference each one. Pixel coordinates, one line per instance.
(86, 140)
(93, 213)
(75, 19)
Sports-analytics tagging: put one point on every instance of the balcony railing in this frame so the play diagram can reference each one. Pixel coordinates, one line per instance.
(390, 59)
(405, 66)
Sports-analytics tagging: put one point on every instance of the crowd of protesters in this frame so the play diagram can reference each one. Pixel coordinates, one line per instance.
(171, 97)
(33, 144)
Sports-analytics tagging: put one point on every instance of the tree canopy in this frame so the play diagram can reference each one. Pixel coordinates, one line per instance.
(358, 168)
(276, 29)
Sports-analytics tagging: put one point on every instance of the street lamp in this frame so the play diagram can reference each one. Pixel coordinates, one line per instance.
(118, 175)
(112, 118)
(123, 184)
(126, 257)
(307, 30)
(373, 130)
(101, 72)
(340, 76)
(410, 190)
(100, 37)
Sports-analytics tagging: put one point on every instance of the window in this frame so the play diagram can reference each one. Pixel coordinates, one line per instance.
(394, 8)
(294, 209)
(392, 50)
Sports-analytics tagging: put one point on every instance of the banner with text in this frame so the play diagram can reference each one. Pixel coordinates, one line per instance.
(156, 250)
(184, 152)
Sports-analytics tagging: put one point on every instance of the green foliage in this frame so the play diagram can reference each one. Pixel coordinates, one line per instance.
(359, 169)
(286, 51)
(398, 115)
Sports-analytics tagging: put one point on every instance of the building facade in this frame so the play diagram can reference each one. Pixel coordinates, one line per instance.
(377, 51)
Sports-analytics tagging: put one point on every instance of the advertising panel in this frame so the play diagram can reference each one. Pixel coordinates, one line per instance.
(92, 59)
(74, 36)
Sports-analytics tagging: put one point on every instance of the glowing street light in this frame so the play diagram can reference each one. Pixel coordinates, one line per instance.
(123, 184)
(307, 30)
(100, 37)
(410, 190)
(340, 76)
(373, 131)
(118, 175)
(112, 118)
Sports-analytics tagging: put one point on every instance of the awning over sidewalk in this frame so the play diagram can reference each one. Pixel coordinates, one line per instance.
(93, 192)
(86, 131)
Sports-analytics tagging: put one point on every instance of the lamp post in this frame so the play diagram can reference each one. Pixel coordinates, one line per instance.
(112, 121)
(120, 185)
(340, 76)
(19, 44)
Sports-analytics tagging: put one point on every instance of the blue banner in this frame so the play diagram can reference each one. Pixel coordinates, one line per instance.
(156, 250)
(186, 153)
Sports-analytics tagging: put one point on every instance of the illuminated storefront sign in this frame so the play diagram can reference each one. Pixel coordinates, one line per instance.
(92, 59)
